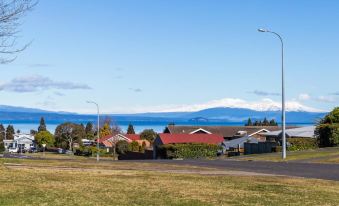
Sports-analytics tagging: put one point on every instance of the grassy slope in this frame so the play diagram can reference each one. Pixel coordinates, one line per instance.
(319, 155)
(117, 185)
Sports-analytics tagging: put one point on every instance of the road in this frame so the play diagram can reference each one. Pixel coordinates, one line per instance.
(296, 169)
(306, 170)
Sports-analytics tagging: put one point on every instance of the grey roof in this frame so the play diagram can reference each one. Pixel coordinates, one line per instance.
(295, 132)
(239, 141)
(225, 131)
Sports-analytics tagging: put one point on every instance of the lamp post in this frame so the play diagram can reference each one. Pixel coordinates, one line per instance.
(43, 146)
(91, 102)
(282, 91)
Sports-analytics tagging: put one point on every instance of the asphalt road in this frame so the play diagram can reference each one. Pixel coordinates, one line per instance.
(306, 170)
(297, 169)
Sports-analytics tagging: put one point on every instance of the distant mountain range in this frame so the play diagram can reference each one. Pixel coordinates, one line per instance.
(10, 114)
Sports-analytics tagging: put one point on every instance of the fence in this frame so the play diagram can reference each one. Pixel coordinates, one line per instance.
(258, 148)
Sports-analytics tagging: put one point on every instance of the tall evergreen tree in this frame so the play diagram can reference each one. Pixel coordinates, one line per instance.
(2, 133)
(89, 130)
(10, 132)
(42, 126)
(130, 129)
(273, 123)
(265, 122)
(249, 122)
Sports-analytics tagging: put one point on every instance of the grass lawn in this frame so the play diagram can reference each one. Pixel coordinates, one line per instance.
(318, 155)
(61, 182)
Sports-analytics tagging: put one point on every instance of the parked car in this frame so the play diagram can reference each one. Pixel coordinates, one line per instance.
(13, 150)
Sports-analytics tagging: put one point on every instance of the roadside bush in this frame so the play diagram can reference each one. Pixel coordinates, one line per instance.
(327, 135)
(89, 151)
(134, 146)
(297, 144)
(121, 147)
(188, 151)
(2, 147)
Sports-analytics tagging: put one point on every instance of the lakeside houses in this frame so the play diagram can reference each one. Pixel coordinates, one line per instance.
(20, 143)
(227, 132)
(300, 132)
(167, 138)
(110, 140)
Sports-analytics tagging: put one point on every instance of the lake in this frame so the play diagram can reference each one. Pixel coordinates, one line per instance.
(139, 126)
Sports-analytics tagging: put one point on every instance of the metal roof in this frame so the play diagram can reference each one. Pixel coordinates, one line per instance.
(295, 132)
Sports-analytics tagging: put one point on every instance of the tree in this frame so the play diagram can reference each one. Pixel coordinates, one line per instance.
(18, 131)
(273, 123)
(249, 122)
(121, 147)
(42, 126)
(89, 130)
(148, 134)
(327, 130)
(44, 137)
(265, 122)
(10, 132)
(105, 130)
(2, 133)
(130, 129)
(67, 134)
(11, 13)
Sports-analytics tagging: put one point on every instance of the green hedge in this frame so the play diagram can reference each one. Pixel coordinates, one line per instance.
(297, 144)
(188, 151)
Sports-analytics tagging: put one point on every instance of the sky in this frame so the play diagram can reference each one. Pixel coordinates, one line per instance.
(161, 55)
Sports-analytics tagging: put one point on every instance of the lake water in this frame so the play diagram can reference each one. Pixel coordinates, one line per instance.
(138, 126)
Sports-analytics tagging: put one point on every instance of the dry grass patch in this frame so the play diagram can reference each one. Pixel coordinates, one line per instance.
(46, 186)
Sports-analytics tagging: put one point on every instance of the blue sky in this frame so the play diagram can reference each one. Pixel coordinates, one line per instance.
(148, 55)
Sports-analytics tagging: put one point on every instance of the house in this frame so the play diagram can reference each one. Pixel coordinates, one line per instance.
(109, 140)
(20, 143)
(300, 132)
(228, 132)
(166, 138)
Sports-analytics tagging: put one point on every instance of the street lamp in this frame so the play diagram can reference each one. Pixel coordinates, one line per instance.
(283, 91)
(43, 146)
(91, 102)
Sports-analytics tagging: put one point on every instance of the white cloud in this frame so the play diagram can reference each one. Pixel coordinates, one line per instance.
(264, 93)
(304, 96)
(328, 99)
(38, 83)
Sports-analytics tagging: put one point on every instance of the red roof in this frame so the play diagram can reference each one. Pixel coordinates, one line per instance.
(190, 138)
(132, 137)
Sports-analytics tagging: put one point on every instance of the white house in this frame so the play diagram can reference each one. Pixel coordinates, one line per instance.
(21, 142)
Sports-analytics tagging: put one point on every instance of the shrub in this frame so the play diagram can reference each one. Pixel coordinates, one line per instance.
(327, 135)
(2, 147)
(121, 147)
(188, 151)
(297, 144)
(134, 146)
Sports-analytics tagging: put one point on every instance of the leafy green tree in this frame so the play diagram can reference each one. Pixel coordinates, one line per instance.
(249, 122)
(44, 137)
(121, 147)
(130, 129)
(2, 132)
(327, 130)
(68, 133)
(89, 130)
(148, 134)
(10, 132)
(42, 126)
